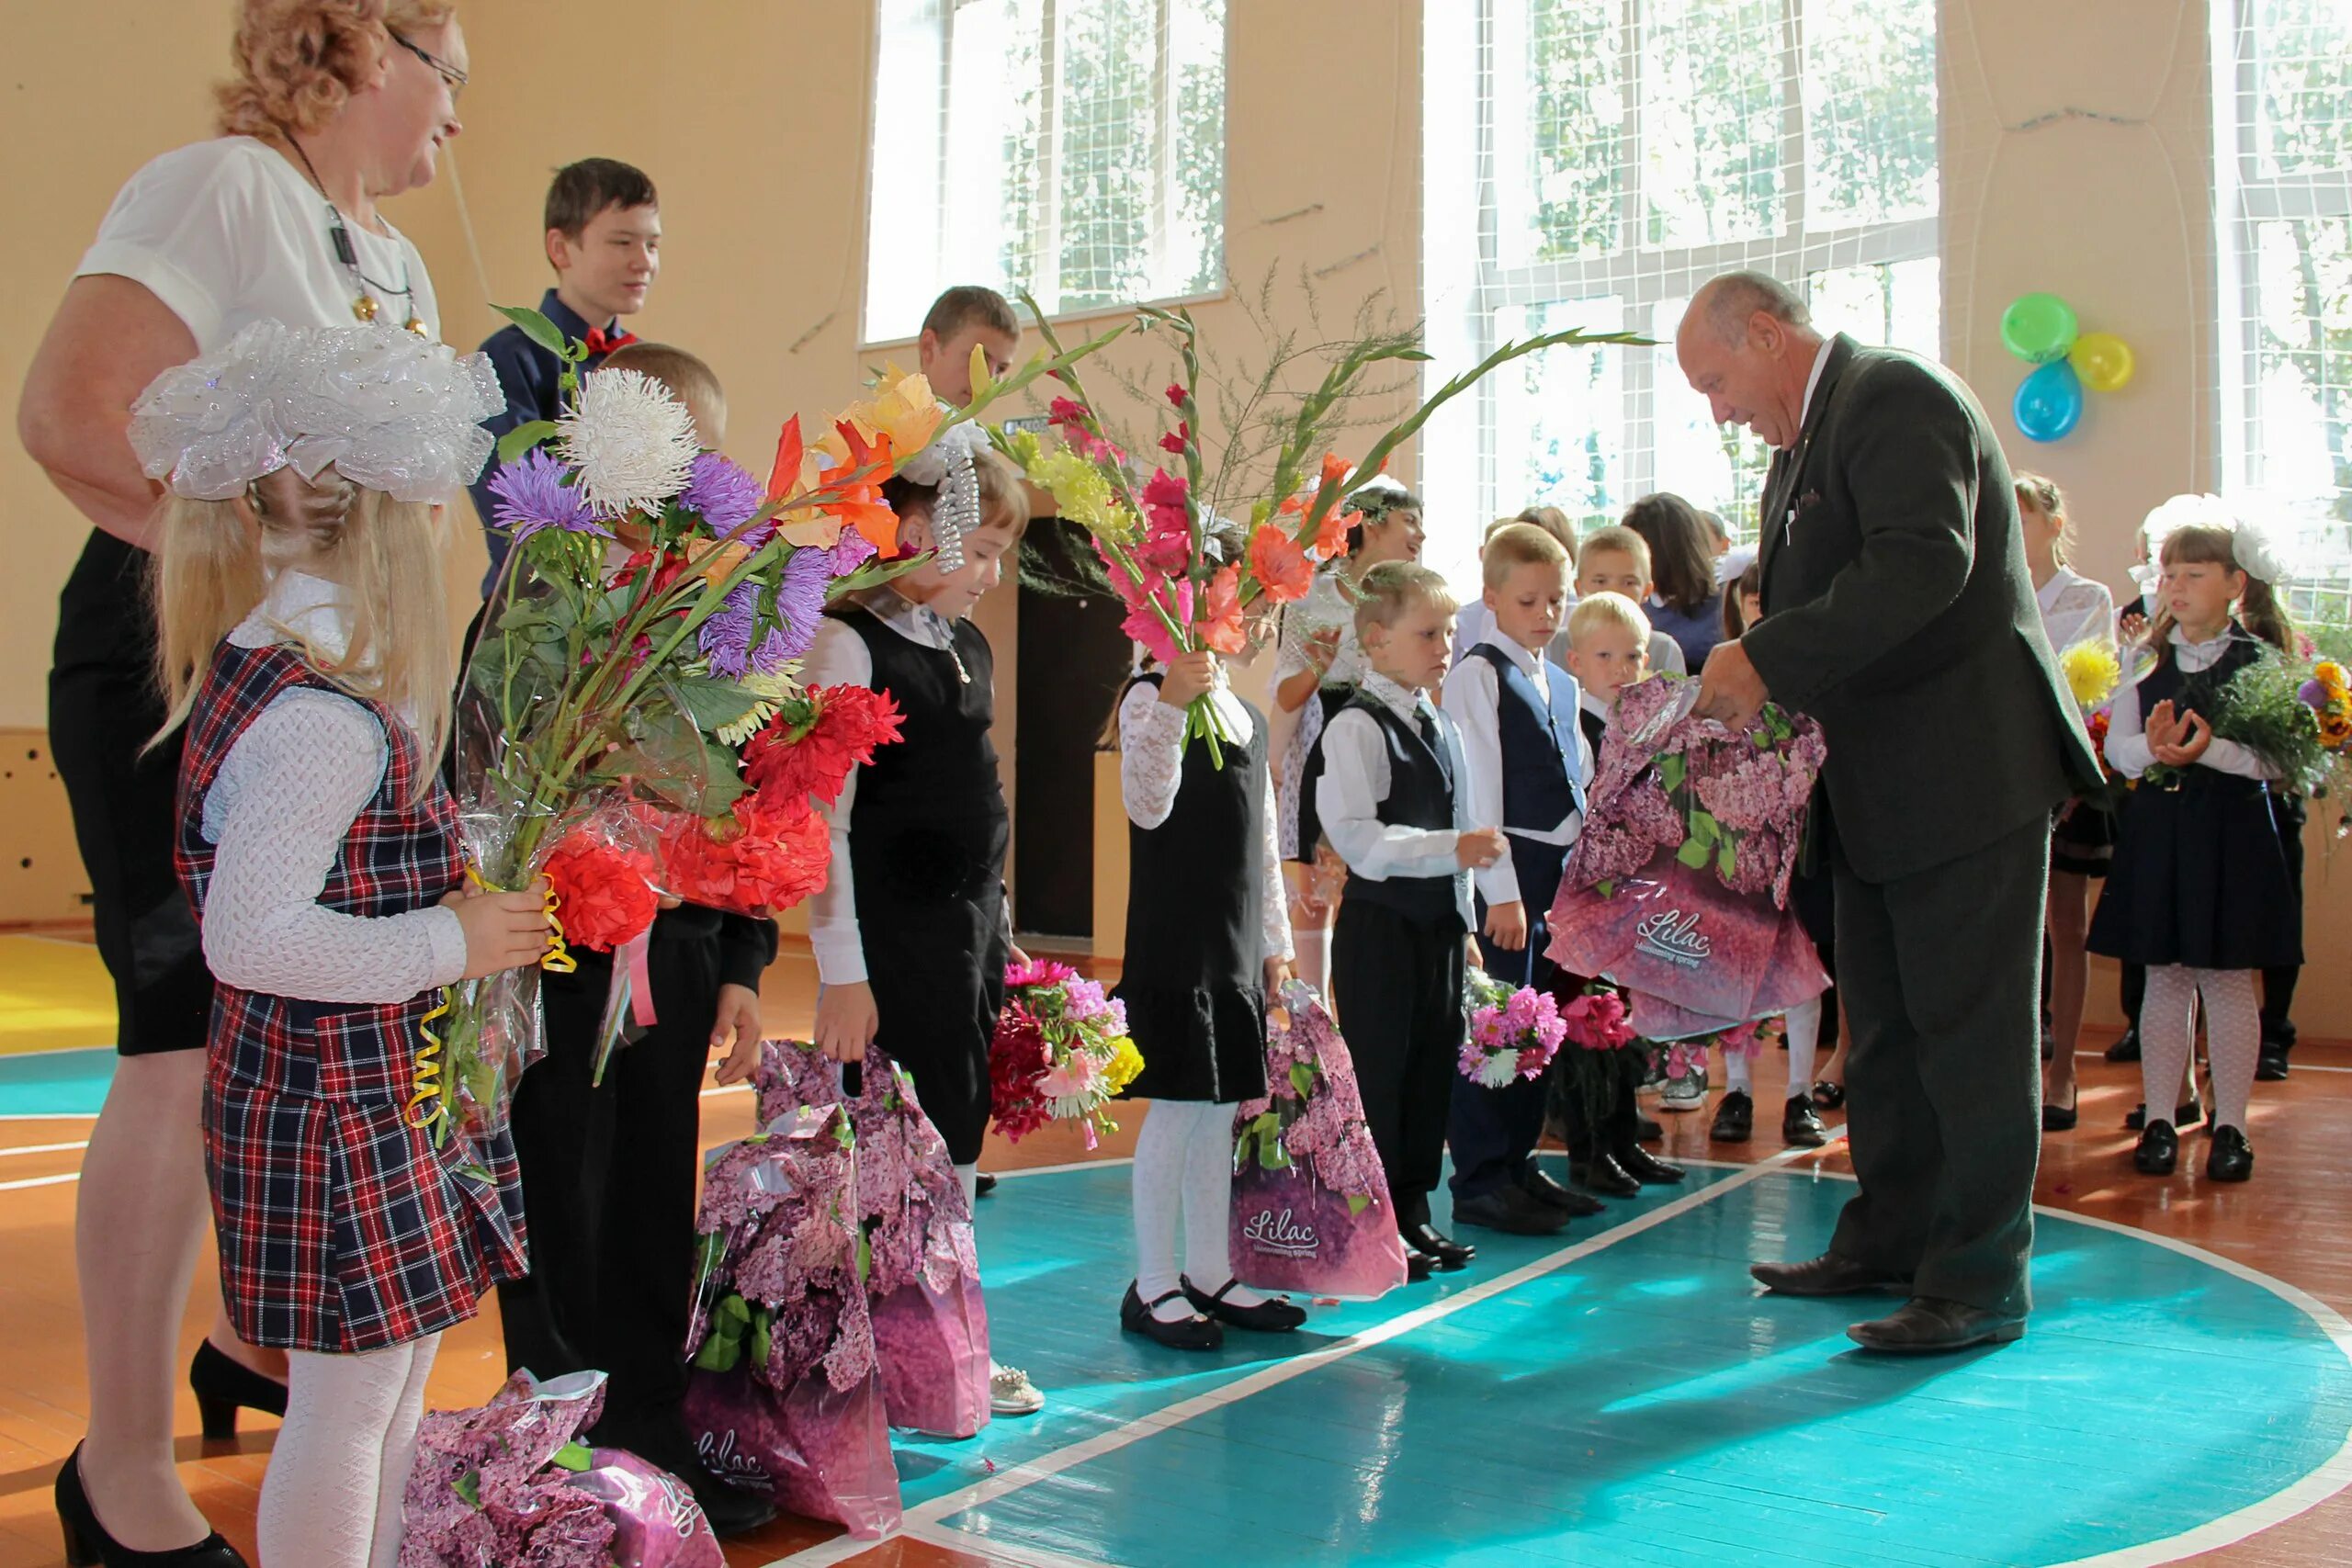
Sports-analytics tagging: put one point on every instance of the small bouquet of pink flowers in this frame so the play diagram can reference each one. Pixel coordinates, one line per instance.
(1513, 1033)
(1060, 1053)
(1606, 1054)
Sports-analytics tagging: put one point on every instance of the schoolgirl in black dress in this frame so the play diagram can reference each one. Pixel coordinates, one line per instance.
(2200, 892)
(1206, 938)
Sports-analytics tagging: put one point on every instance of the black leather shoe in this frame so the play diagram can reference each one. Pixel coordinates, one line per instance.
(1194, 1333)
(1444, 1253)
(1929, 1325)
(658, 1436)
(1828, 1095)
(1828, 1275)
(1567, 1199)
(982, 1184)
(2270, 1067)
(1510, 1210)
(1734, 1118)
(2126, 1048)
(1800, 1125)
(1417, 1265)
(2231, 1158)
(1603, 1177)
(2186, 1114)
(1646, 1131)
(87, 1545)
(1275, 1314)
(1647, 1168)
(2159, 1150)
(2058, 1118)
(223, 1385)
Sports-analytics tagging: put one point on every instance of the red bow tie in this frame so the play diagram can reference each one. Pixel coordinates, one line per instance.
(601, 343)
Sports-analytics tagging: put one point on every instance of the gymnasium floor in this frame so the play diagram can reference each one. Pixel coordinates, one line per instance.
(1616, 1394)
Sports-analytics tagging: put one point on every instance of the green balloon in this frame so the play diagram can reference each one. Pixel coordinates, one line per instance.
(2038, 328)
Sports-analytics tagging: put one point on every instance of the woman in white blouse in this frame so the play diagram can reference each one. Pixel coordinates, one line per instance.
(337, 105)
(2074, 610)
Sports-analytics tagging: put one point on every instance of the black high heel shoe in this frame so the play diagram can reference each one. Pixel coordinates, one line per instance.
(87, 1545)
(224, 1384)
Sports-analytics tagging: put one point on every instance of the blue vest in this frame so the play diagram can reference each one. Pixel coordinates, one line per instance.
(1543, 780)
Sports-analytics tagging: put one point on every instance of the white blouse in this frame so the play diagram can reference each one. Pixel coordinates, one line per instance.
(2076, 609)
(1327, 604)
(227, 232)
(2127, 739)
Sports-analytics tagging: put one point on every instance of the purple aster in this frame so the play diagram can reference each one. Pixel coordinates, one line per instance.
(726, 636)
(773, 652)
(801, 599)
(723, 493)
(532, 495)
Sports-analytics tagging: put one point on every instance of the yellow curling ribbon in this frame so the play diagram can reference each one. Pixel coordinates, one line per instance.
(559, 959)
(428, 1092)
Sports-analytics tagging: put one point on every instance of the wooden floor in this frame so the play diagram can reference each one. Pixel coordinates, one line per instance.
(2291, 1223)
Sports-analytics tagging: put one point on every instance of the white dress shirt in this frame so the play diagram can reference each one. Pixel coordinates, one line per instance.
(1356, 780)
(1152, 770)
(2127, 739)
(1811, 383)
(1474, 701)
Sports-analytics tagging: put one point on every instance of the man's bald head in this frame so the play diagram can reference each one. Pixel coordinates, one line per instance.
(1746, 344)
(1730, 303)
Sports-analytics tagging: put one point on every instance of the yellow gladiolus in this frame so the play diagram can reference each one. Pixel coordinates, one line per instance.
(1083, 495)
(902, 407)
(2092, 672)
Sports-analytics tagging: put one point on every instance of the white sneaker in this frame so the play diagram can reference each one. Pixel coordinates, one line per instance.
(1011, 1393)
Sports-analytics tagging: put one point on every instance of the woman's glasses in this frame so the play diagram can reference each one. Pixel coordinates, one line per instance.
(447, 72)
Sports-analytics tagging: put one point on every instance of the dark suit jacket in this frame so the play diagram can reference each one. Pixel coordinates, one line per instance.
(1899, 612)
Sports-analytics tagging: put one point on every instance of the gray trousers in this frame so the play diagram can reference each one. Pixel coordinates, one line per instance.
(1941, 973)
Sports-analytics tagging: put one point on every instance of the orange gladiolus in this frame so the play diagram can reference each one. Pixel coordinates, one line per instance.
(1220, 622)
(1282, 571)
(1331, 535)
(858, 503)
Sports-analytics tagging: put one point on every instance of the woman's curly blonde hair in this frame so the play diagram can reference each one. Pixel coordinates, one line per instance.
(297, 61)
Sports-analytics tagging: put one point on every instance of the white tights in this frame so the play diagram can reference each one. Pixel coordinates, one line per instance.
(1804, 1044)
(332, 1497)
(1184, 1158)
(2168, 1032)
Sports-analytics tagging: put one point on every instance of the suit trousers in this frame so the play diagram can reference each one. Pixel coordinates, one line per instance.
(1397, 984)
(1940, 971)
(1493, 1131)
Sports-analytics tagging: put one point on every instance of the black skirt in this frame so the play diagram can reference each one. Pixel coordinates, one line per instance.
(1206, 1044)
(2082, 841)
(2200, 878)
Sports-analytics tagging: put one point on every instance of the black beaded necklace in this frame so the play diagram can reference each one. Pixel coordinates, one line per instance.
(346, 251)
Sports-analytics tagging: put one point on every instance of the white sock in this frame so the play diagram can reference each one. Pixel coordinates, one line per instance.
(2167, 1035)
(1739, 1071)
(1805, 1046)
(1311, 956)
(325, 1500)
(1158, 1180)
(399, 1454)
(2233, 1040)
(967, 1177)
(1208, 1203)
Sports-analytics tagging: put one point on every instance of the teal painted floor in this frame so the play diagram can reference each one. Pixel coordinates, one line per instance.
(55, 1083)
(1639, 1403)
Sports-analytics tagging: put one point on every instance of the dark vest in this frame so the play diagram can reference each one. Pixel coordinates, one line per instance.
(1200, 867)
(1541, 785)
(1420, 794)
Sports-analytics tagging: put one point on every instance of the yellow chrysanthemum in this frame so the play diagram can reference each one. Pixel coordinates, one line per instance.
(2092, 672)
(1124, 1064)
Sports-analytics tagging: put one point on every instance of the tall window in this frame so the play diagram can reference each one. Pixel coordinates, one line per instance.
(1591, 162)
(1073, 148)
(2282, 142)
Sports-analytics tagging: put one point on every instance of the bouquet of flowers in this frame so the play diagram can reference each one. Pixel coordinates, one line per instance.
(2295, 717)
(510, 1485)
(1060, 1053)
(1185, 589)
(1310, 1204)
(922, 1277)
(1513, 1033)
(1605, 1055)
(1678, 888)
(657, 600)
(782, 1394)
(2093, 671)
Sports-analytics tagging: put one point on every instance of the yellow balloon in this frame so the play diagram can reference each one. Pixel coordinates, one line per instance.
(2103, 361)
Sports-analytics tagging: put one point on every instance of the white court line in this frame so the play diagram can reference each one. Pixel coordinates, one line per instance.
(1028, 1472)
(992, 1551)
(40, 1181)
(45, 1149)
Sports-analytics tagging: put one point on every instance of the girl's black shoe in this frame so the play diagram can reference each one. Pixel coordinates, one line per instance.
(1275, 1314)
(2231, 1158)
(2058, 1118)
(2159, 1150)
(87, 1545)
(224, 1384)
(1185, 1334)
(1828, 1095)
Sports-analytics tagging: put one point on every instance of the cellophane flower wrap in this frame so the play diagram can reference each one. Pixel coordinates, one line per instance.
(1514, 1031)
(1311, 1211)
(646, 636)
(1060, 1053)
(2295, 716)
(923, 1278)
(1189, 581)
(510, 1485)
(1677, 888)
(783, 1396)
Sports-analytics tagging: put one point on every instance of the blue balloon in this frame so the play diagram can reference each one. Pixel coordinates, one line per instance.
(2049, 402)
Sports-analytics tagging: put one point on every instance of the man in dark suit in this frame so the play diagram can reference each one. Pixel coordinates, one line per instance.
(1899, 612)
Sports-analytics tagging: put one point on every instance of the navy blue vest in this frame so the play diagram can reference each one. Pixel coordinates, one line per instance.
(1420, 794)
(1541, 768)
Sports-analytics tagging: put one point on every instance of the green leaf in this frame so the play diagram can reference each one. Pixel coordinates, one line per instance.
(536, 327)
(524, 437)
(469, 1488)
(574, 1456)
(865, 1255)
(1302, 1079)
(1671, 770)
(1727, 862)
(1277, 1158)
(1704, 830)
(713, 704)
(1608, 889)
(1692, 853)
(762, 1333)
(1358, 1203)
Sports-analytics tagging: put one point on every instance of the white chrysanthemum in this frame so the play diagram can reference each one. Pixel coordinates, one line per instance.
(631, 440)
(1498, 1069)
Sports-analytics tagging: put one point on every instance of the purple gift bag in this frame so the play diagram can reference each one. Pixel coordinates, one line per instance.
(656, 1521)
(819, 1451)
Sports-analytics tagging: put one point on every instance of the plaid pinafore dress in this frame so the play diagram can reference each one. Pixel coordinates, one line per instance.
(341, 1227)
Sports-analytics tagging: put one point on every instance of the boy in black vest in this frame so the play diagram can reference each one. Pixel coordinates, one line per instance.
(1394, 800)
(604, 239)
(1516, 713)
